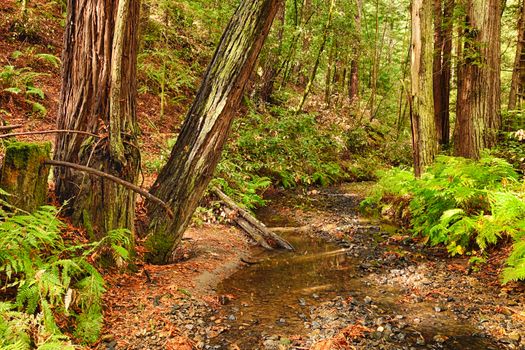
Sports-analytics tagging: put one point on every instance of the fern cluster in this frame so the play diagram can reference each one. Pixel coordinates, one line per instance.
(464, 204)
(48, 284)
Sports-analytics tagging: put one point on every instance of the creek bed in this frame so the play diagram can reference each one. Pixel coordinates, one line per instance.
(296, 299)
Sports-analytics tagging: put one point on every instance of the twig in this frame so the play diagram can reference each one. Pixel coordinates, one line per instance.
(115, 179)
(42, 132)
(10, 127)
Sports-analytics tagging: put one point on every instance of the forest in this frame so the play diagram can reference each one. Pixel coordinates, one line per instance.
(262, 174)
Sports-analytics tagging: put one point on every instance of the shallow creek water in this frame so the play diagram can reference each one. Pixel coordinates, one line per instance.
(277, 295)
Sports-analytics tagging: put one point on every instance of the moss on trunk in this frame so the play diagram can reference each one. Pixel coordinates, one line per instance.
(24, 174)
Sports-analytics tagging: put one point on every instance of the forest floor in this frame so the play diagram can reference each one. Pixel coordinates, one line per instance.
(397, 293)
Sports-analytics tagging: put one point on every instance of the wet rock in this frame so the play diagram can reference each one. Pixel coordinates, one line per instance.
(440, 339)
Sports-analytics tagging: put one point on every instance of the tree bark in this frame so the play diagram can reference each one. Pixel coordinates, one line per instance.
(443, 11)
(422, 111)
(517, 88)
(183, 180)
(99, 96)
(478, 117)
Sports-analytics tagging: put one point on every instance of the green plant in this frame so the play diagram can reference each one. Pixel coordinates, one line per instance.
(21, 81)
(46, 280)
(463, 204)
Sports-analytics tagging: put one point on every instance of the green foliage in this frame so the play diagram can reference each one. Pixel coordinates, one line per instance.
(512, 148)
(49, 279)
(463, 204)
(18, 81)
(278, 147)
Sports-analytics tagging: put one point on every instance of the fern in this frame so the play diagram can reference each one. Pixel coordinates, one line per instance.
(515, 269)
(51, 278)
(463, 204)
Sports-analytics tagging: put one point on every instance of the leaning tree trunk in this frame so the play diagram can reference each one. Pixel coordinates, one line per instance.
(478, 117)
(517, 87)
(99, 95)
(423, 128)
(182, 182)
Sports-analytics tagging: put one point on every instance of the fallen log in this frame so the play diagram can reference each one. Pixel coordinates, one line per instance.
(251, 225)
(249, 229)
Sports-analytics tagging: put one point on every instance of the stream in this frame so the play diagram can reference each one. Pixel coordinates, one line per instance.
(292, 300)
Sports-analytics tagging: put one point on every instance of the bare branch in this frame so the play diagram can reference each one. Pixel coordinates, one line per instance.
(115, 179)
(10, 127)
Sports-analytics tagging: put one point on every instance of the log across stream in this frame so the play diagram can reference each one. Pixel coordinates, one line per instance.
(304, 296)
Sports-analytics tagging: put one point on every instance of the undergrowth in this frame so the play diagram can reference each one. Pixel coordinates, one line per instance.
(277, 147)
(466, 205)
(50, 287)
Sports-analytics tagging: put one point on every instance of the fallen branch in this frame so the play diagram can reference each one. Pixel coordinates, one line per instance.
(10, 127)
(115, 179)
(43, 132)
(250, 223)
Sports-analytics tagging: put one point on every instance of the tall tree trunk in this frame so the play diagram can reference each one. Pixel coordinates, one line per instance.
(478, 117)
(422, 116)
(331, 74)
(272, 65)
(517, 87)
(99, 95)
(183, 180)
(443, 11)
(353, 89)
(313, 74)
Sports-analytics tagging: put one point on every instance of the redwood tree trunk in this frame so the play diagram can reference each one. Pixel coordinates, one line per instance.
(98, 95)
(183, 180)
(423, 127)
(443, 11)
(478, 117)
(517, 88)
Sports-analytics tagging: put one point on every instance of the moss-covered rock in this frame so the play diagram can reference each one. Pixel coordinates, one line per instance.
(24, 174)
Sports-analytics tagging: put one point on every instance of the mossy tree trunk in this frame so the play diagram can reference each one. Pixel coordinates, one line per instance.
(478, 118)
(422, 111)
(24, 175)
(183, 180)
(99, 95)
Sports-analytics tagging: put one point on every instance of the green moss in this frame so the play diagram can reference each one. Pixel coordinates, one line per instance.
(88, 225)
(18, 154)
(24, 174)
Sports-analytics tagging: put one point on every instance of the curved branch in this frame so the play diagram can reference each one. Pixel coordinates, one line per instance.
(115, 179)
(42, 132)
